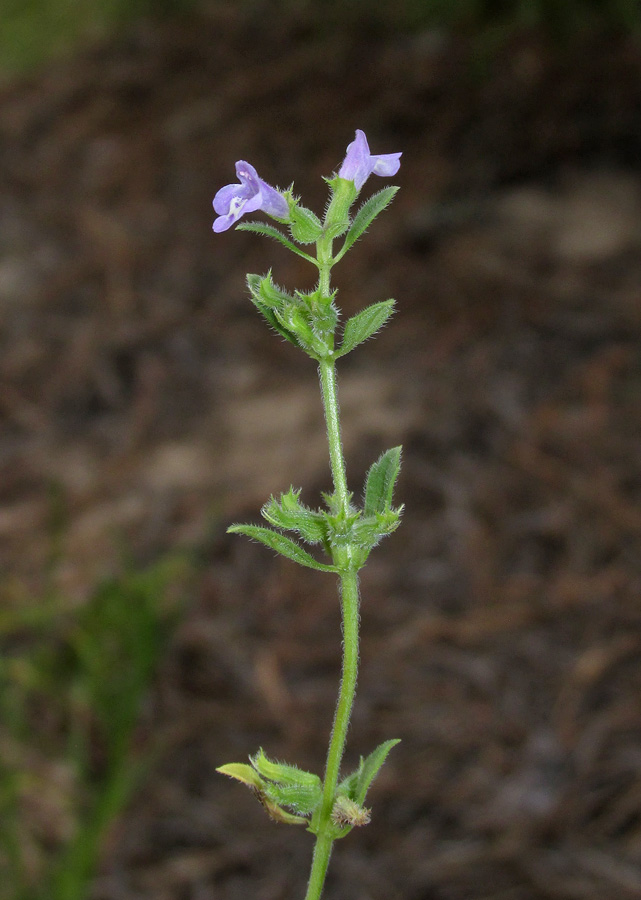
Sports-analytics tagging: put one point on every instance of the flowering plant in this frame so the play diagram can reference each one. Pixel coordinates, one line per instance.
(346, 532)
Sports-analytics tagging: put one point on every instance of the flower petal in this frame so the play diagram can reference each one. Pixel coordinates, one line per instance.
(356, 165)
(386, 164)
(359, 163)
(225, 195)
(273, 203)
(222, 223)
(252, 204)
(247, 173)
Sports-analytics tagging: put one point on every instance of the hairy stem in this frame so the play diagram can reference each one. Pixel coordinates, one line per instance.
(322, 853)
(324, 840)
(327, 374)
(349, 608)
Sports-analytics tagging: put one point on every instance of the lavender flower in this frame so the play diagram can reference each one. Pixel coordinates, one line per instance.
(234, 200)
(359, 163)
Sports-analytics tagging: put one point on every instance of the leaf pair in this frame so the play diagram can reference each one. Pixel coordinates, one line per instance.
(277, 785)
(288, 514)
(334, 529)
(306, 320)
(348, 808)
(306, 227)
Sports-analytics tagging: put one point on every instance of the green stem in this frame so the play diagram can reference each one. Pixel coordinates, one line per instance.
(324, 840)
(349, 608)
(322, 853)
(327, 374)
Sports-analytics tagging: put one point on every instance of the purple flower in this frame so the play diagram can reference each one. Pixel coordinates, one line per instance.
(359, 163)
(234, 200)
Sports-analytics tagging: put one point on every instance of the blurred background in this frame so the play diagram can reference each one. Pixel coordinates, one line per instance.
(144, 407)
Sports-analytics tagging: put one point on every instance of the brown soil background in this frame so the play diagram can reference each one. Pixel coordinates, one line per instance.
(502, 623)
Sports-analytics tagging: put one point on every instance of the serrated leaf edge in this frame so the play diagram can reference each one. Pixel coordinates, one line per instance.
(297, 553)
(347, 347)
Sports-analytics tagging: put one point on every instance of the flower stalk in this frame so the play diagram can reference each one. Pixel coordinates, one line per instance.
(347, 532)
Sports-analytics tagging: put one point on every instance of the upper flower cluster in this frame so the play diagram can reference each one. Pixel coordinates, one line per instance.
(253, 194)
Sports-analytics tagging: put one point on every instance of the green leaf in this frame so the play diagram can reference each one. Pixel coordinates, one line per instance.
(305, 226)
(368, 531)
(365, 216)
(288, 785)
(247, 775)
(270, 231)
(321, 309)
(356, 785)
(273, 321)
(283, 773)
(307, 320)
(381, 478)
(264, 289)
(268, 298)
(340, 526)
(343, 194)
(278, 814)
(242, 772)
(302, 798)
(289, 514)
(295, 319)
(370, 768)
(364, 325)
(349, 785)
(282, 545)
